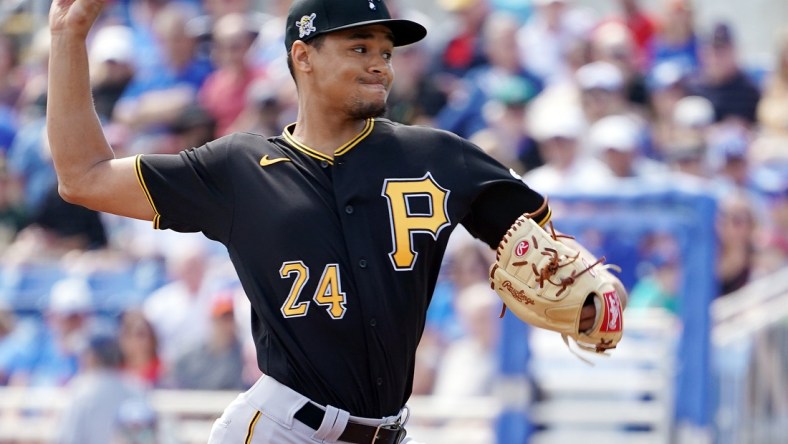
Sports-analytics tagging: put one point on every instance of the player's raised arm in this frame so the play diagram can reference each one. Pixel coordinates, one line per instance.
(88, 173)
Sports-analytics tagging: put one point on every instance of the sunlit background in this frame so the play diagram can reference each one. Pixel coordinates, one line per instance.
(658, 128)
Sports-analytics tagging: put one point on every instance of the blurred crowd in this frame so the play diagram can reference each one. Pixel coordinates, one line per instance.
(572, 99)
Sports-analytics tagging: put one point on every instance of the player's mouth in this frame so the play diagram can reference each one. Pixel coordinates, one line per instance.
(377, 84)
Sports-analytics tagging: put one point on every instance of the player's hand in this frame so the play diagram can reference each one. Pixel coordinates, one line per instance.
(74, 16)
(587, 317)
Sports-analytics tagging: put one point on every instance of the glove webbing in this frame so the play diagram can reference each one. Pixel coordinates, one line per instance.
(551, 268)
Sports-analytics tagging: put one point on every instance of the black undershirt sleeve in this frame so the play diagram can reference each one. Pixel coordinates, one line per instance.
(497, 207)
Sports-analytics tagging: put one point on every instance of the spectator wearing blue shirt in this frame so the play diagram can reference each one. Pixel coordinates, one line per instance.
(159, 92)
(463, 114)
(676, 41)
(51, 355)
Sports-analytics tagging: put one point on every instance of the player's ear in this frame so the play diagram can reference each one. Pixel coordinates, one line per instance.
(301, 56)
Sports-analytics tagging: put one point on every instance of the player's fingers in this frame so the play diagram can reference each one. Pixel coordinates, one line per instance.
(587, 317)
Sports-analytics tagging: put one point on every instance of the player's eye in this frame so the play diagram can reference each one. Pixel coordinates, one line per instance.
(387, 55)
(360, 49)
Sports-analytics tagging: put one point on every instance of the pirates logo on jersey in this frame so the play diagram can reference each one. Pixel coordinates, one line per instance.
(405, 221)
(306, 25)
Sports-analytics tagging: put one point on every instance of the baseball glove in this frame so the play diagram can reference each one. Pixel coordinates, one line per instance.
(546, 283)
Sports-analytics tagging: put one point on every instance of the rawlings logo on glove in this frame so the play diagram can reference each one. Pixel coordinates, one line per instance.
(546, 283)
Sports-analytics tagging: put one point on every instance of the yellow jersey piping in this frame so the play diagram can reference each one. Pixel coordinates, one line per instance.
(368, 126)
(141, 180)
(548, 215)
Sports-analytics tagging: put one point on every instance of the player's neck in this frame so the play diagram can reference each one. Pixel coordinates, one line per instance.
(326, 133)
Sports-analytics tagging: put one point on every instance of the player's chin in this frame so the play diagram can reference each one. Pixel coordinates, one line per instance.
(368, 108)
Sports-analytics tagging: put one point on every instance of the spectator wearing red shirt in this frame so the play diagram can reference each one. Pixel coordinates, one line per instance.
(139, 348)
(640, 24)
(224, 93)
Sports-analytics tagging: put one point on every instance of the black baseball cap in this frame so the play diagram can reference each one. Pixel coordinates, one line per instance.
(307, 19)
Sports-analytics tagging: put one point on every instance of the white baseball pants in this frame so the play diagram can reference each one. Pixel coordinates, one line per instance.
(264, 415)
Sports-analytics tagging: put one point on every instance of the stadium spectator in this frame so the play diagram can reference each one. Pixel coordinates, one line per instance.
(603, 91)
(11, 76)
(463, 48)
(723, 81)
(676, 39)
(771, 180)
(466, 263)
(158, 93)
(693, 115)
(463, 114)
(13, 216)
(14, 334)
(666, 85)
(192, 127)
(28, 157)
(558, 130)
(204, 25)
(139, 348)
(51, 356)
(618, 140)
(658, 285)
(728, 158)
(686, 157)
(68, 227)
(477, 309)
(180, 310)
(773, 107)
(548, 35)
(468, 365)
(29, 162)
(224, 93)
(216, 363)
(111, 55)
(772, 112)
(736, 227)
(96, 395)
(415, 98)
(140, 16)
(614, 43)
(264, 111)
(506, 136)
(266, 51)
(687, 131)
(138, 423)
(642, 26)
(30, 105)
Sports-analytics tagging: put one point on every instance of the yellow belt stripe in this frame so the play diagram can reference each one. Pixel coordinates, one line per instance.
(252, 424)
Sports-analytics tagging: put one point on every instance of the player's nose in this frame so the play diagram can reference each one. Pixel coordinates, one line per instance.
(380, 64)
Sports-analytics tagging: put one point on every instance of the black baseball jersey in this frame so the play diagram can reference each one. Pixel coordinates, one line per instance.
(338, 256)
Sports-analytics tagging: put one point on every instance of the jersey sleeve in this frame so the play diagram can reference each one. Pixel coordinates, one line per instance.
(499, 198)
(190, 191)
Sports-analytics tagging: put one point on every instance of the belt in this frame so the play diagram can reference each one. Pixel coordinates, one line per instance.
(312, 416)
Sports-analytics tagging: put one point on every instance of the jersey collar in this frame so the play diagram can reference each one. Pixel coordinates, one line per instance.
(287, 134)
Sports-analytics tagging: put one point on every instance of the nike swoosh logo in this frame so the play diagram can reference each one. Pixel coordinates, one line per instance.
(265, 161)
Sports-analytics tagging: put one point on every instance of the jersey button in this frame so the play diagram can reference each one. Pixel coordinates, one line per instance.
(362, 263)
(373, 322)
(380, 381)
(349, 209)
(323, 164)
